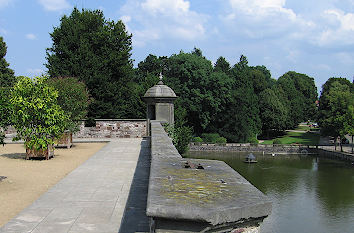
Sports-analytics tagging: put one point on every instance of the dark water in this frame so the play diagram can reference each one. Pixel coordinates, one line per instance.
(309, 194)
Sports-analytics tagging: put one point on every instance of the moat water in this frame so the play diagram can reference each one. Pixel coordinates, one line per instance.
(309, 194)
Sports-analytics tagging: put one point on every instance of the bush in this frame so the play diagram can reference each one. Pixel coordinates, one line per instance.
(182, 137)
(197, 139)
(36, 116)
(210, 137)
(221, 140)
(73, 99)
(277, 141)
(253, 141)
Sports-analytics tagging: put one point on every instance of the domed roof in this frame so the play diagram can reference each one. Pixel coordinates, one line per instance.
(160, 90)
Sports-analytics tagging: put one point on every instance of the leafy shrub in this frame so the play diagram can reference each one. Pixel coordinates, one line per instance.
(73, 99)
(210, 137)
(197, 139)
(253, 141)
(221, 140)
(277, 141)
(36, 116)
(181, 137)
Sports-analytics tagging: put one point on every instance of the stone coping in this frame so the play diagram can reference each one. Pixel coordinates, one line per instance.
(118, 120)
(215, 194)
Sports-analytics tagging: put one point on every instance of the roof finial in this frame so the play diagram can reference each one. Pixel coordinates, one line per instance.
(160, 77)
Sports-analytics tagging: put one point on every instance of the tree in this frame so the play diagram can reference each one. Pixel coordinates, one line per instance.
(272, 110)
(97, 52)
(300, 96)
(37, 117)
(7, 80)
(7, 77)
(5, 112)
(73, 98)
(336, 115)
(222, 65)
(239, 120)
(200, 91)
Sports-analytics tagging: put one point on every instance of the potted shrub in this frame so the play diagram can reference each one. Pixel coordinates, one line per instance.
(37, 116)
(74, 100)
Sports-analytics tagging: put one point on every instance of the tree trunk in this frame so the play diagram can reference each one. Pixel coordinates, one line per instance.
(352, 145)
(335, 143)
(340, 143)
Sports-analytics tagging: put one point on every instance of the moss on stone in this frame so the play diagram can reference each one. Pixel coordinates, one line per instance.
(194, 186)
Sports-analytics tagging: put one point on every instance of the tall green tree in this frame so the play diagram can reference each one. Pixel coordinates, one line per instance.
(5, 112)
(336, 115)
(7, 80)
(222, 65)
(200, 91)
(273, 111)
(98, 52)
(7, 77)
(300, 96)
(240, 121)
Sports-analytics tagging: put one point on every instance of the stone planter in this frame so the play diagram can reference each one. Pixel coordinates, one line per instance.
(65, 141)
(33, 153)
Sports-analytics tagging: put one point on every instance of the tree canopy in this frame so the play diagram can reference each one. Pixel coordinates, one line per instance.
(7, 77)
(336, 108)
(300, 94)
(73, 98)
(238, 102)
(96, 51)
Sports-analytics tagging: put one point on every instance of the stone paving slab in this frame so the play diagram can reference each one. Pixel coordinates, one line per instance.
(92, 198)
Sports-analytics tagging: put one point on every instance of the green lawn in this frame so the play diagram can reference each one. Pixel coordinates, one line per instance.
(307, 138)
(303, 128)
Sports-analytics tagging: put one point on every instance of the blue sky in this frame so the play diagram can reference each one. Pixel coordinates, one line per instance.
(315, 37)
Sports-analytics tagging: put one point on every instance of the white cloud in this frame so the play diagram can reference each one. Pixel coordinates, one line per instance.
(339, 28)
(265, 18)
(54, 5)
(4, 3)
(31, 36)
(262, 8)
(166, 7)
(34, 71)
(126, 19)
(162, 19)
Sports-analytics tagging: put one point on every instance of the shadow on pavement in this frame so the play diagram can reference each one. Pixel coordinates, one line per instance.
(134, 217)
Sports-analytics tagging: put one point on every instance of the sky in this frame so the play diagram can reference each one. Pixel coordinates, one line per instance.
(313, 37)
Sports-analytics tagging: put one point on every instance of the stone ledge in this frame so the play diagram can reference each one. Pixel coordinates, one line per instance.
(213, 196)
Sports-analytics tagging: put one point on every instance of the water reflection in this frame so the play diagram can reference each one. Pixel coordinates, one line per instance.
(309, 194)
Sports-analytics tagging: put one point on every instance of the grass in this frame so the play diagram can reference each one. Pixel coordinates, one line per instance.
(305, 138)
(303, 128)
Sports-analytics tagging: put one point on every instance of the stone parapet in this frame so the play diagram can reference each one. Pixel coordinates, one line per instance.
(105, 128)
(192, 195)
(113, 128)
(247, 147)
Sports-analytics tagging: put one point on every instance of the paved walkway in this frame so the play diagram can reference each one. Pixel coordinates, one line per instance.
(93, 197)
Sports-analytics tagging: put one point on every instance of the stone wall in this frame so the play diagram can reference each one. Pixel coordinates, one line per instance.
(106, 128)
(113, 128)
(333, 154)
(247, 147)
(197, 195)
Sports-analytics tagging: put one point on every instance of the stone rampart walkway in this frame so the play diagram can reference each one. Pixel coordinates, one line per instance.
(93, 197)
